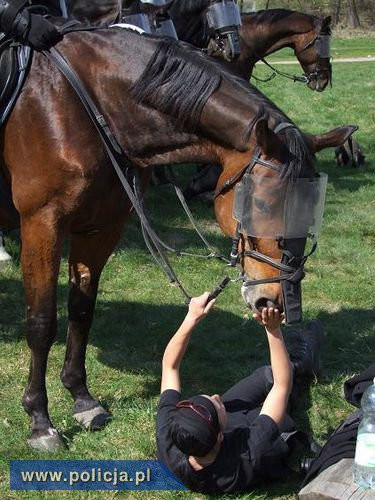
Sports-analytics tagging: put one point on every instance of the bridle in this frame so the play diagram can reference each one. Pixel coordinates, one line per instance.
(290, 265)
(321, 43)
(322, 66)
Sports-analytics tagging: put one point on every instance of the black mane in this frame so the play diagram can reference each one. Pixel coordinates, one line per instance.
(275, 15)
(175, 83)
(179, 79)
(188, 7)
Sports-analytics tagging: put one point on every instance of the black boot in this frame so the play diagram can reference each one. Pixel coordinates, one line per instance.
(304, 354)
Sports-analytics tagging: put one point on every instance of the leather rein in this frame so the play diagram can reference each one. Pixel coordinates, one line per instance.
(306, 77)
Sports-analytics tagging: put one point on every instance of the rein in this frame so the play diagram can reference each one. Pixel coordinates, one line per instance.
(302, 79)
(306, 77)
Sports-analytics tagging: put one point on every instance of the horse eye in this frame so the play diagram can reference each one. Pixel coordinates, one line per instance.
(261, 205)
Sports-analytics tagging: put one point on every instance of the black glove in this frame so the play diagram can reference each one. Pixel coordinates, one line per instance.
(41, 34)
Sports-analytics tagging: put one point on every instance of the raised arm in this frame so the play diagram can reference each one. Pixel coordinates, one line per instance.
(175, 350)
(276, 402)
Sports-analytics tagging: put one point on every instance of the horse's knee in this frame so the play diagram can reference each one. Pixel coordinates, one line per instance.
(34, 402)
(80, 306)
(72, 377)
(40, 331)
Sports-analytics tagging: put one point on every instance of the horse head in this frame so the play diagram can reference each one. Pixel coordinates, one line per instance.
(275, 202)
(313, 53)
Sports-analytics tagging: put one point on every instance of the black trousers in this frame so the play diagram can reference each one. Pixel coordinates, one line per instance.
(249, 394)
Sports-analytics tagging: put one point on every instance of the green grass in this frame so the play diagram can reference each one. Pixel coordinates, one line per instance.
(340, 48)
(138, 311)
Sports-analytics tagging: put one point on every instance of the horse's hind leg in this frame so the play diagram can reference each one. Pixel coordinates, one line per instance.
(41, 252)
(88, 255)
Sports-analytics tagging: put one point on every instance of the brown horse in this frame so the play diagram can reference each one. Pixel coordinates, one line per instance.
(166, 105)
(262, 33)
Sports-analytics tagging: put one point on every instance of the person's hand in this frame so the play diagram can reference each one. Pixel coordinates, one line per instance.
(270, 318)
(198, 307)
(42, 34)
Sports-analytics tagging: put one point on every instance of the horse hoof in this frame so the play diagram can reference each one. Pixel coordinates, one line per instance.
(50, 442)
(94, 419)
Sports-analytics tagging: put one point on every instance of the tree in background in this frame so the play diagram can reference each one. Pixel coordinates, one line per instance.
(353, 13)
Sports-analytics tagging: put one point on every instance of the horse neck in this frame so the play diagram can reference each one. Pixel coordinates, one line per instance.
(264, 32)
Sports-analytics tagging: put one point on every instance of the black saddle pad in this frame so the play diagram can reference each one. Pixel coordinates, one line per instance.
(14, 63)
(8, 71)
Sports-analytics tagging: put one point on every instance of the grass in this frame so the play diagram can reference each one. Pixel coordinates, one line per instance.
(341, 48)
(138, 311)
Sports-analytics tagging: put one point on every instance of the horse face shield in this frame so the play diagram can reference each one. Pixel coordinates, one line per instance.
(223, 17)
(269, 207)
(288, 212)
(321, 75)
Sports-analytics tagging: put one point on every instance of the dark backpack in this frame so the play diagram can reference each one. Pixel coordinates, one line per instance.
(341, 444)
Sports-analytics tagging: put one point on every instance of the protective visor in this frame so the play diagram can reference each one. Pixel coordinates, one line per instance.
(270, 207)
(323, 46)
(223, 14)
(156, 3)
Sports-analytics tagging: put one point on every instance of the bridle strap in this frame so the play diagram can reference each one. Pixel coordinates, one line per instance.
(305, 78)
(247, 169)
(268, 260)
(294, 275)
(254, 160)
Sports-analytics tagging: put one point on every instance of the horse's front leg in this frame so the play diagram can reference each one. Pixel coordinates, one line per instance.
(88, 255)
(41, 253)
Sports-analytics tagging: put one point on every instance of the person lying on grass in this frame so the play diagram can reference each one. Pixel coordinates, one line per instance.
(229, 443)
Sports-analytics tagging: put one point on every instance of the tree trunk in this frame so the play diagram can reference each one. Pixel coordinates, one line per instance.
(353, 14)
(336, 15)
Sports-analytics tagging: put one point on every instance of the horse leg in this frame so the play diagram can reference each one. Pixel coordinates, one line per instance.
(88, 255)
(40, 257)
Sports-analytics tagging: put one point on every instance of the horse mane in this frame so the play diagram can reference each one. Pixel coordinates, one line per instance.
(274, 15)
(175, 84)
(188, 7)
(179, 79)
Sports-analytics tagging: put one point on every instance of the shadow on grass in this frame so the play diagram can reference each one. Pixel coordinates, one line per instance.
(160, 200)
(131, 337)
(347, 178)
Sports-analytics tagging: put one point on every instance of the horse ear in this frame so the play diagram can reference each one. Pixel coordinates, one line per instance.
(331, 139)
(266, 138)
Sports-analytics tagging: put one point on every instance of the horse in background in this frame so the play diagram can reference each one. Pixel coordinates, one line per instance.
(166, 104)
(262, 33)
